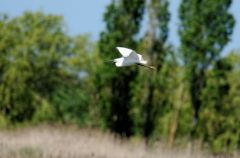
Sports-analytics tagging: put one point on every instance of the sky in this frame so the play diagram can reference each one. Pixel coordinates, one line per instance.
(86, 16)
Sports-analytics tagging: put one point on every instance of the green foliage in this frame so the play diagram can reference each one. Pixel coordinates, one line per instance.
(44, 72)
(122, 25)
(205, 29)
(4, 122)
(150, 99)
(72, 105)
(220, 120)
(45, 112)
(76, 100)
(31, 48)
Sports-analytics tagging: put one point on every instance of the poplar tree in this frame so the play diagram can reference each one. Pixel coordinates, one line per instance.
(157, 49)
(123, 19)
(205, 28)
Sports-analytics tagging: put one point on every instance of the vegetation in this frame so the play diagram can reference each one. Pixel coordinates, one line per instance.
(47, 76)
(50, 142)
(122, 24)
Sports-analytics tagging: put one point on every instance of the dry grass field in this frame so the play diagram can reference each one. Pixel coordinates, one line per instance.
(62, 142)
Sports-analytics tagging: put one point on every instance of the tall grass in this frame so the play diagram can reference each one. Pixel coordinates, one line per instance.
(71, 142)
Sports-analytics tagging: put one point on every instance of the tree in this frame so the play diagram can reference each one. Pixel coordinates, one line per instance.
(122, 25)
(31, 48)
(76, 99)
(220, 121)
(206, 26)
(152, 100)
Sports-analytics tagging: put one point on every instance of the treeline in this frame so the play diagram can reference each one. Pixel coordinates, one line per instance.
(194, 93)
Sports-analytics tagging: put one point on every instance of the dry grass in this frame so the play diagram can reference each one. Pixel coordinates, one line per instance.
(59, 142)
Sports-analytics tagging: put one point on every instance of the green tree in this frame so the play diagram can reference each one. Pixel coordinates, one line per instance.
(31, 48)
(206, 26)
(220, 125)
(151, 103)
(76, 99)
(123, 20)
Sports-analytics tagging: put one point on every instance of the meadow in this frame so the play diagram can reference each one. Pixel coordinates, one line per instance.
(72, 142)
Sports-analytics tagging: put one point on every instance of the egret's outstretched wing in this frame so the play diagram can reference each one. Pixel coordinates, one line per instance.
(126, 52)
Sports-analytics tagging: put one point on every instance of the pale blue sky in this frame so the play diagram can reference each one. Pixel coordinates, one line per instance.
(87, 16)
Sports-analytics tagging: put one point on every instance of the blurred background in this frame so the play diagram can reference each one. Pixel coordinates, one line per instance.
(53, 71)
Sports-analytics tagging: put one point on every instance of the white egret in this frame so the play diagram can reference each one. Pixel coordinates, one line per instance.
(130, 57)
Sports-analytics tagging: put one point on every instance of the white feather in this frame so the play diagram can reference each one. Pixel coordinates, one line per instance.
(130, 57)
(125, 52)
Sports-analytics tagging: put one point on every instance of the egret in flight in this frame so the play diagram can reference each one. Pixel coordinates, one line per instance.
(130, 57)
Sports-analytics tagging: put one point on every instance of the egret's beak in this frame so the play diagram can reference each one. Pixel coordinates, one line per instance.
(109, 61)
